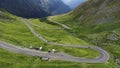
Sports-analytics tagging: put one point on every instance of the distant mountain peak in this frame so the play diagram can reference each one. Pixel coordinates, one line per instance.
(34, 8)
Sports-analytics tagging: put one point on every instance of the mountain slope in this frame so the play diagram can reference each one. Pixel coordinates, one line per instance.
(97, 22)
(24, 8)
(97, 11)
(93, 14)
(95, 19)
(57, 7)
(13, 30)
(34, 8)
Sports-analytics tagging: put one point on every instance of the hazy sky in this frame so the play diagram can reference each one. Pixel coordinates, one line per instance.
(73, 3)
(69, 1)
(66, 1)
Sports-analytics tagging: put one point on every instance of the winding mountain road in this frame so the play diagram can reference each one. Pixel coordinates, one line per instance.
(62, 25)
(46, 27)
(104, 56)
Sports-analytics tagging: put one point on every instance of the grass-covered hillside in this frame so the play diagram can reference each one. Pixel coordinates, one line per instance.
(97, 22)
(14, 31)
(93, 16)
(94, 11)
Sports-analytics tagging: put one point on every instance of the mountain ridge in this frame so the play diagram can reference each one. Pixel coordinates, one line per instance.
(34, 8)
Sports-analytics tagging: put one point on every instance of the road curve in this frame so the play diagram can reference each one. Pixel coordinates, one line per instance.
(52, 56)
(104, 56)
(46, 27)
(62, 25)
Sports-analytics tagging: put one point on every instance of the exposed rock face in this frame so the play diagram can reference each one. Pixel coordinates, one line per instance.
(113, 36)
(57, 7)
(34, 8)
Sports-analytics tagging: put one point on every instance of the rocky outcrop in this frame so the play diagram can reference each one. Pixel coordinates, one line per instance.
(59, 8)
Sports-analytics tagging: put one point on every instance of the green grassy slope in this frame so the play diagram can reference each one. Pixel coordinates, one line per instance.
(95, 19)
(94, 11)
(17, 33)
(93, 16)
(51, 33)
(97, 22)
(12, 30)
